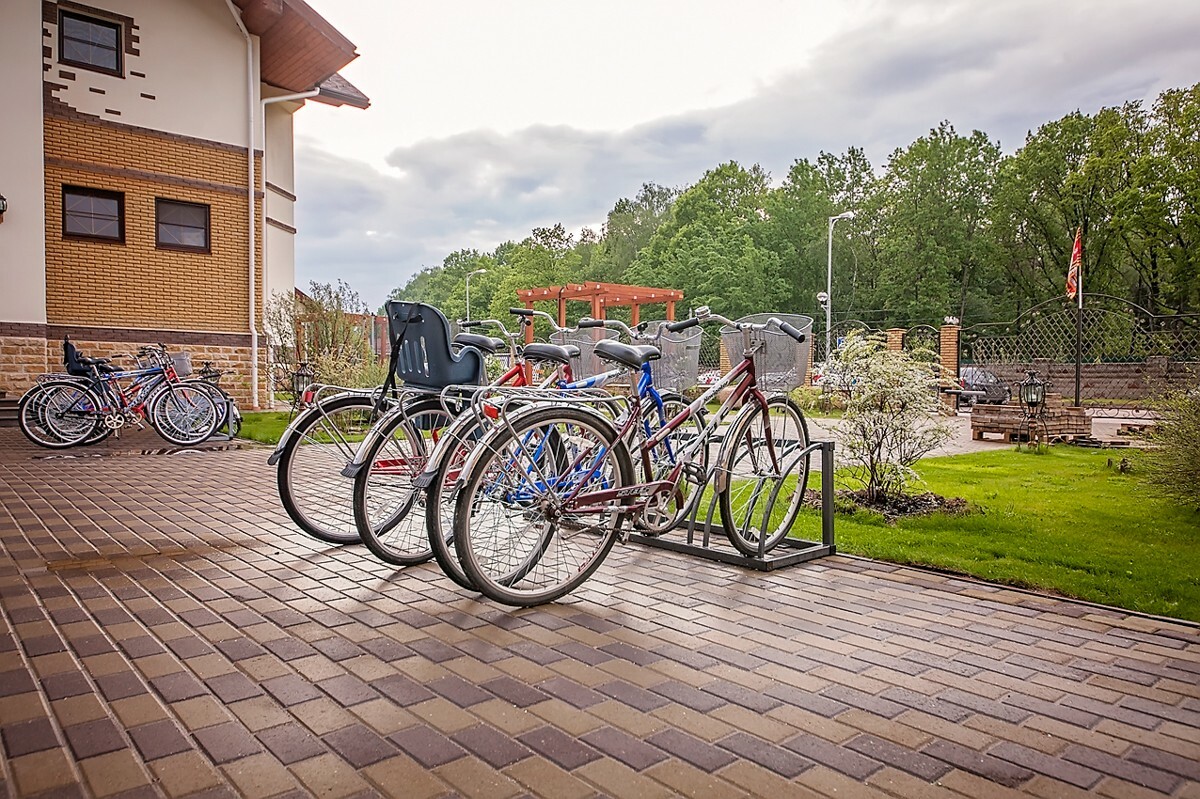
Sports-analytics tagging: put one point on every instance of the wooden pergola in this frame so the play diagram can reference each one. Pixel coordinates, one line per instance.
(602, 296)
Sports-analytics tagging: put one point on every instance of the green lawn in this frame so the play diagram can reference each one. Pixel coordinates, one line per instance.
(1063, 522)
(264, 426)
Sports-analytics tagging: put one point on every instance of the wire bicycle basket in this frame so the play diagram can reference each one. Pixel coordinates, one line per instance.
(781, 363)
(182, 362)
(678, 368)
(587, 363)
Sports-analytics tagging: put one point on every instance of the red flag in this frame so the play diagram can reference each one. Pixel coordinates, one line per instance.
(1076, 264)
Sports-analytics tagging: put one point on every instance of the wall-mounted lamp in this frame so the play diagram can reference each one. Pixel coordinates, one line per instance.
(3, 207)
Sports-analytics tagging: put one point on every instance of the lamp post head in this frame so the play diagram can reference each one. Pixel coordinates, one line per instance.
(476, 272)
(843, 215)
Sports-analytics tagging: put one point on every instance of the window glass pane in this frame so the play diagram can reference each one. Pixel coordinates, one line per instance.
(91, 212)
(175, 214)
(87, 31)
(90, 42)
(182, 224)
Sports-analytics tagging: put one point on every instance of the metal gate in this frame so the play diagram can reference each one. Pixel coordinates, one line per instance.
(1117, 356)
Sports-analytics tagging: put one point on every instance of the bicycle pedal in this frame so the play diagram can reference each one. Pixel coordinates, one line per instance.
(694, 472)
(424, 479)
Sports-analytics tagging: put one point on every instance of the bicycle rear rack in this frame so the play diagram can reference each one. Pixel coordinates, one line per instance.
(699, 539)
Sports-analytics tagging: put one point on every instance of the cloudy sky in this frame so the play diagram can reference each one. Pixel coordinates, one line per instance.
(491, 117)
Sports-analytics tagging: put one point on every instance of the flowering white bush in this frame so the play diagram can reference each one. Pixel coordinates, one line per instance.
(891, 419)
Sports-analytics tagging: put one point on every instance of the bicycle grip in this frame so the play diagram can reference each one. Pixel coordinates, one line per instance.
(521, 311)
(470, 323)
(792, 331)
(675, 327)
(586, 323)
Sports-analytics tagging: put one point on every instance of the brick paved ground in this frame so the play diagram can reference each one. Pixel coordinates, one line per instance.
(164, 632)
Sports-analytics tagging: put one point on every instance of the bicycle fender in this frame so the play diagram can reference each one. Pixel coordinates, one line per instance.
(290, 430)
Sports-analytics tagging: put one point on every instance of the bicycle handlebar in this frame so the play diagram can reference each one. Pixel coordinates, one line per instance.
(493, 323)
(684, 324)
(526, 313)
(791, 330)
(703, 314)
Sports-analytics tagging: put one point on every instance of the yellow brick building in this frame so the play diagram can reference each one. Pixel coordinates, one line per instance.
(148, 177)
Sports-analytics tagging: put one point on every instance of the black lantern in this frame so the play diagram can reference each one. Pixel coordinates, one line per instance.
(1033, 392)
(302, 378)
(3, 206)
(210, 373)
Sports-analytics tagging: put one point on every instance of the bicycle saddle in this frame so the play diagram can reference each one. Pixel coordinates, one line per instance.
(555, 353)
(633, 356)
(485, 343)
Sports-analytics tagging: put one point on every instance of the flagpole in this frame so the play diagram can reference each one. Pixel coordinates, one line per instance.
(1079, 329)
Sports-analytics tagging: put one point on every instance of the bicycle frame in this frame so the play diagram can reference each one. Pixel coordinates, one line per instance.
(577, 501)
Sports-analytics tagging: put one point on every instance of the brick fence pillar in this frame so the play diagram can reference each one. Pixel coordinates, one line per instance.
(895, 338)
(948, 357)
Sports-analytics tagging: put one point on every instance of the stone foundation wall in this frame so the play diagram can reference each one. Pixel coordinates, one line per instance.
(23, 358)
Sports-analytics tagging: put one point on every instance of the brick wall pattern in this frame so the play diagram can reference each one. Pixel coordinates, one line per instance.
(135, 284)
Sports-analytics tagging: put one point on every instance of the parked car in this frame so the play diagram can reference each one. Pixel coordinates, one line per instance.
(975, 379)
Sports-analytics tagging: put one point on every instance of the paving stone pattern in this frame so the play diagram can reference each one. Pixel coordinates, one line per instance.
(165, 632)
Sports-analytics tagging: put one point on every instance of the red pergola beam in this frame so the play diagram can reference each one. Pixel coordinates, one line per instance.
(601, 295)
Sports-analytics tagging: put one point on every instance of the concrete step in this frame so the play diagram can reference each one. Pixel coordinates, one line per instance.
(8, 410)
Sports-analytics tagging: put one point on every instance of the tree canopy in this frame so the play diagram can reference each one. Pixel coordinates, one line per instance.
(949, 226)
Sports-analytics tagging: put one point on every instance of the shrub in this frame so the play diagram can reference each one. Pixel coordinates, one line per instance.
(1173, 468)
(891, 419)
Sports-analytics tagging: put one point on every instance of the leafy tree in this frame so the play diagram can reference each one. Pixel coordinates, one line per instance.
(628, 229)
(934, 242)
(710, 245)
(1159, 212)
(1067, 176)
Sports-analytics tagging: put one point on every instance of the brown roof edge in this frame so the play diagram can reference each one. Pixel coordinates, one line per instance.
(322, 25)
(337, 91)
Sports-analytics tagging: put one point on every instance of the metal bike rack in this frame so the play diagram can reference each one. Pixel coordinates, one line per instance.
(789, 551)
(227, 427)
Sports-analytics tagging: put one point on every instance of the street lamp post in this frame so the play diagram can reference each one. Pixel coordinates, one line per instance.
(829, 284)
(469, 276)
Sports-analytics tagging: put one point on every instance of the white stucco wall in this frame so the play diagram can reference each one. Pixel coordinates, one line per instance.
(23, 232)
(193, 57)
(280, 172)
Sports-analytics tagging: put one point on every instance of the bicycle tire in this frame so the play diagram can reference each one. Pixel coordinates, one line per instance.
(183, 415)
(753, 486)
(227, 411)
(656, 520)
(317, 498)
(36, 420)
(389, 509)
(510, 565)
(439, 498)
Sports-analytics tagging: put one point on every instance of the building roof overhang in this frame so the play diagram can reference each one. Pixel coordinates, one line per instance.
(300, 51)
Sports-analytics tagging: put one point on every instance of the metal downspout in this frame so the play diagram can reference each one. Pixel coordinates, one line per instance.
(250, 187)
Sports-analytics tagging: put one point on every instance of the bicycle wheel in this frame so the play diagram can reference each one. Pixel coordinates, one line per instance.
(389, 508)
(667, 509)
(528, 524)
(448, 459)
(311, 487)
(228, 415)
(59, 414)
(765, 474)
(183, 414)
